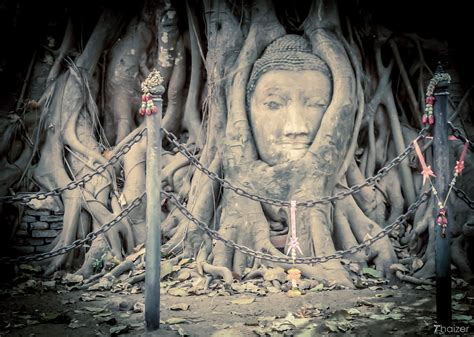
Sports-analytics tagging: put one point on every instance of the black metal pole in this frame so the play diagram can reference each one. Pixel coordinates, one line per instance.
(153, 214)
(441, 182)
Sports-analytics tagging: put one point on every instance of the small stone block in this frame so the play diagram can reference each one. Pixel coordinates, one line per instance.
(56, 225)
(19, 241)
(22, 232)
(39, 225)
(35, 241)
(48, 240)
(47, 233)
(42, 249)
(35, 212)
(28, 218)
(51, 218)
(23, 226)
(23, 249)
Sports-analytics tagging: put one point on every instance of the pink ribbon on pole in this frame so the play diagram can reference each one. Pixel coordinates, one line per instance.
(460, 163)
(426, 170)
(293, 246)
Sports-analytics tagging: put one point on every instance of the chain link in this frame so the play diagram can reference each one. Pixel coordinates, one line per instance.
(22, 198)
(283, 203)
(77, 243)
(458, 133)
(463, 196)
(300, 260)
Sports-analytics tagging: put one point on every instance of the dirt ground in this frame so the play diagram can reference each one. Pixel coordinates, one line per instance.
(31, 307)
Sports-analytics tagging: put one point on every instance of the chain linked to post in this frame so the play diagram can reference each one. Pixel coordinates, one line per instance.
(463, 196)
(458, 133)
(77, 243)
(283, 203)
(303, 260)
(25, 198)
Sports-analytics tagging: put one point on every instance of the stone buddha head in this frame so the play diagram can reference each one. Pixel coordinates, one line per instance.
(288, 91)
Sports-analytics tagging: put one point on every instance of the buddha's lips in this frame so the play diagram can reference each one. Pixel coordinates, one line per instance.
(295, 145)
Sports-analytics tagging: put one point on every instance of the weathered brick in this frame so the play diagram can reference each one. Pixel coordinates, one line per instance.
(23, 226)
(39, 225)
(28, 218)
(23, 249)
(48, 240)
(22, 232)
(42, 249)
(35, 241)
(30, 211)
(47, 233)
(17, 241)
(56, 225)
(51, 218)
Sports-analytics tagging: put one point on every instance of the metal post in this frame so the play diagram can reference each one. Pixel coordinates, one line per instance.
(153, 214)
(441, 182)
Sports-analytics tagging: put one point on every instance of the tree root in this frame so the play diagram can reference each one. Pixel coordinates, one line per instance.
(412, 279)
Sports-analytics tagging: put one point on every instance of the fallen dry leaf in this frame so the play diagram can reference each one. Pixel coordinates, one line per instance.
(139, 307)
(416, 264)
(177, 292)
(371, 272)
(179, 306)
(176, 320)
(71, 278)
(117, 330)
(243, 300)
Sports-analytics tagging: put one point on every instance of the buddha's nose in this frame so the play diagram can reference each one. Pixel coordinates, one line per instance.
(295, 123)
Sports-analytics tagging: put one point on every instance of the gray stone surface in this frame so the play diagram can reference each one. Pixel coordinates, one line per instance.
(22, 232)
(30, 211)
(39, 225)
(42, 249)
(23, 226)
(24, 249)
(46, 233)
(28, 218)
(51, 218)
(37, 230)
(35, 241)
(56, 225)
(18, 241)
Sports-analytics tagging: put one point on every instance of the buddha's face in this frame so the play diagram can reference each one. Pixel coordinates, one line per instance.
(286, 110)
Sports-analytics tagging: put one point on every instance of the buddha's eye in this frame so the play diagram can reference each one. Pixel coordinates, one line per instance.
(273, 105)
(274, 102)
(316, 103)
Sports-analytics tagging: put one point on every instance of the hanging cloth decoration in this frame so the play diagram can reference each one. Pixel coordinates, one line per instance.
(427, 172)
(293, 274)
(293, 246)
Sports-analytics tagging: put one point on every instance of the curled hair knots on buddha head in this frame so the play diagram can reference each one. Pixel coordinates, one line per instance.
(289, 52)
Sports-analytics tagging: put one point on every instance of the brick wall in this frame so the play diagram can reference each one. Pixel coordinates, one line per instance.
(37, 230)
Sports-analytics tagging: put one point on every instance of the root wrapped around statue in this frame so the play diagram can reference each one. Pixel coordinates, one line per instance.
(283, 102)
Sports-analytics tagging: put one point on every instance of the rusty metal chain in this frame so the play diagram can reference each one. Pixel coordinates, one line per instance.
(25, 198)
(458, 133)
(463, 196)
(283, 203)
(77, 243)
(300, 260)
